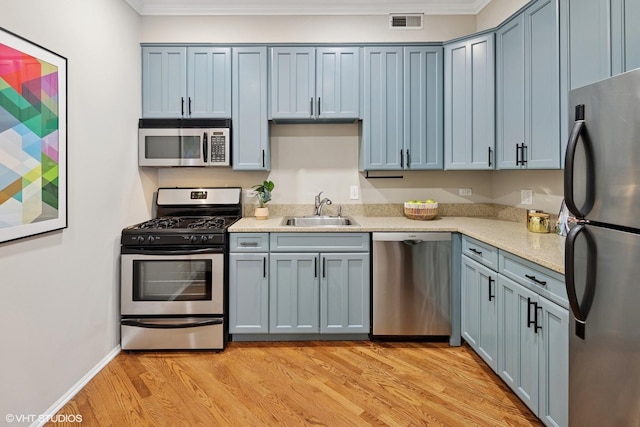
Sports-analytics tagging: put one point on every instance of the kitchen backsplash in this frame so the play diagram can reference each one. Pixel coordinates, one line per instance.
(486, 210)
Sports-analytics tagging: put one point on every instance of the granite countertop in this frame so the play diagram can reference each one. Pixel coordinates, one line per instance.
(543, 249)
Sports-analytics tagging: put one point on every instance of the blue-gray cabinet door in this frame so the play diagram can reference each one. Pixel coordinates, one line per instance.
(164, 76)
(250, 125)
(518, 341)
(294, 293)
(209, 82)
(344, 293)
(480, 310)
(292, 79)
(423, 108)
(625, 35)
(337, 83)
(554, 364)
(248, 293)
(510, 89)
(469, 103)
(542, 78)
(589, 47)
(382, 124)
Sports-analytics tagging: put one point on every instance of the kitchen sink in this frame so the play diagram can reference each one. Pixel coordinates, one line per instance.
(318, 221)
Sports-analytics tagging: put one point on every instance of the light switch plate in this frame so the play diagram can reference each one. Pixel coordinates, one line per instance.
(526, 197)
(465, 192)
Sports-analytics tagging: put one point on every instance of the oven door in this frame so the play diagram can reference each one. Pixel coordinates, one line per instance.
(172, 284)
(173, 146)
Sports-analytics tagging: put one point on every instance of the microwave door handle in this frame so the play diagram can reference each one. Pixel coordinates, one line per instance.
(205, 147)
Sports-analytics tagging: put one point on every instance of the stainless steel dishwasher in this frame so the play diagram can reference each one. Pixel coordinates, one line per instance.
(411, 284)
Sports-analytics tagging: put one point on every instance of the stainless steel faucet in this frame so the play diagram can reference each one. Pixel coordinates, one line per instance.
(320, 204)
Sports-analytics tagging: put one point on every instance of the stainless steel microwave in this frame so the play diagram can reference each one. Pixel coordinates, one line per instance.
(184, 142)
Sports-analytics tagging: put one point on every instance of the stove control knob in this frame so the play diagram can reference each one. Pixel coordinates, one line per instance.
(151, 239)
(203, 238)
(140, 239)
(193, 239)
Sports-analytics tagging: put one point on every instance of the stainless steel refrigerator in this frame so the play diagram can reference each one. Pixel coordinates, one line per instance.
(602, 253)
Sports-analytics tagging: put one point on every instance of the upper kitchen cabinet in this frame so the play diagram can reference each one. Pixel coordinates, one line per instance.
(528, 89)
(403, 98)
(179, 81)
(310, 83)
(250, 125)
(469, 103)
(602, 38)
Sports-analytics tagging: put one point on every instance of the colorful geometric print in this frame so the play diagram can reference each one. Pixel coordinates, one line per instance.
(29, 139)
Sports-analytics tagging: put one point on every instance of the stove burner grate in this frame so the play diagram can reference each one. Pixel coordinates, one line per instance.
(161, 223)
(208, 223)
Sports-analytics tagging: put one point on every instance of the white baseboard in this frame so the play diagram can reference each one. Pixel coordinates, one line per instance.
(65, 398)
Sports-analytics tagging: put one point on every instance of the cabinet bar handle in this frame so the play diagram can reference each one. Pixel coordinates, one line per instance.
(408, 160)
(489, 156)
(311, 106)
(250, 244)
(315, 267)
(517, 154)
(264, 267)
(535, 318)
(262, 158)
(324, 268)
(529, 321)
(318, 106)
(189, 106)
(475, 251)
(401, 159)
(491, 296)
(182, 105)
(539, 282)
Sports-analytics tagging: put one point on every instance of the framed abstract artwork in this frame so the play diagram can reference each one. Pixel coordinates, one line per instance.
(33, 138)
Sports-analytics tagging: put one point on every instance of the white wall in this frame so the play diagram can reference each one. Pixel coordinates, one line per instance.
(496, 12)
(59, 307)
(299, 29)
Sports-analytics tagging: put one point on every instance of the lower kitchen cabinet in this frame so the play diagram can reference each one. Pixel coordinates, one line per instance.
(248, 293)
(294, 294)
(533, 350)
(299, 283)
(480, 310)
(516, 319)
(319, 293)
(344, 293)
(248, 283)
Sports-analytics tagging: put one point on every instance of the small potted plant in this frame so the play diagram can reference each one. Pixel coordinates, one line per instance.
(263, 194)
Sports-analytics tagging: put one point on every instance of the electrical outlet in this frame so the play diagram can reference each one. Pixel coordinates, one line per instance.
(354, 192)
(250, 194)
(465, 192)
(526, 197)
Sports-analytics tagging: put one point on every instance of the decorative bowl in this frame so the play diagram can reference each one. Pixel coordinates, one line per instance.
(421, 211)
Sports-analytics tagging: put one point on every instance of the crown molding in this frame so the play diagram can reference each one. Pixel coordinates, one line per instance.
(306, 7)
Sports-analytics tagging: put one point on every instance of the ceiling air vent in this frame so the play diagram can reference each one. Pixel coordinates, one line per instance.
(411, 21)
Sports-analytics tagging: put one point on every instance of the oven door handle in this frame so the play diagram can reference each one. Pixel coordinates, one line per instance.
(146, 251)
(140, 323)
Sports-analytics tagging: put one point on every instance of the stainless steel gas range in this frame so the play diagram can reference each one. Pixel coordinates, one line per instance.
(174, 274)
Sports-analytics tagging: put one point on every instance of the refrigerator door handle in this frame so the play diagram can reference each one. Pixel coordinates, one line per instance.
(580, 309)
(577, 130)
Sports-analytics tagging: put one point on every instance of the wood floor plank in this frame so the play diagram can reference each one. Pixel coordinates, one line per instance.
(341, 383)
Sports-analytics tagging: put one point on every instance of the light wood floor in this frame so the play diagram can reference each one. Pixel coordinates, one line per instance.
(302, 383)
